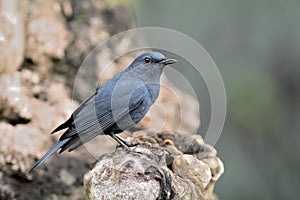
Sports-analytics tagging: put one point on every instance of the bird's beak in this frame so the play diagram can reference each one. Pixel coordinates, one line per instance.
(168, 61)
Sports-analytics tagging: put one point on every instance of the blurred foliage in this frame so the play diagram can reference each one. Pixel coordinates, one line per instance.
(256, 46)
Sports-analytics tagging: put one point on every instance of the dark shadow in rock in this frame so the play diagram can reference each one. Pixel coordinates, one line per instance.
(60, 176)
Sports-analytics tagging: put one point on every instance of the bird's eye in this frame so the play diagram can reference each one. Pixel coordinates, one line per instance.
(147, 60)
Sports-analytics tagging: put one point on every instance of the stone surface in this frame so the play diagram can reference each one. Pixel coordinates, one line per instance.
(123, 175)
(153, 169)
(26, 126)
(66, 177)
(12, 15)
(197, 170)
(46, 36)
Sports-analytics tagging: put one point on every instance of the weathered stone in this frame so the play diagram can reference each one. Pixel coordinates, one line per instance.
(154, 166)
(197, 170)
(216, 166)
(12, 15)
(47, 36)
(66, 177)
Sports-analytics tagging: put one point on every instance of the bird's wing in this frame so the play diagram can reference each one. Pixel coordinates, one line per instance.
(102, 92)
(69, 122)
(95, 117)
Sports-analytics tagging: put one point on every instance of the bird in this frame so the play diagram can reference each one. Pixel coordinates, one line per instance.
(118, 105)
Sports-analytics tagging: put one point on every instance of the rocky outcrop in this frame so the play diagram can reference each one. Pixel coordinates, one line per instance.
(159, 166)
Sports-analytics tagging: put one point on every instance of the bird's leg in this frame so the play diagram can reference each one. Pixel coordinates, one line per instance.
(119, 140)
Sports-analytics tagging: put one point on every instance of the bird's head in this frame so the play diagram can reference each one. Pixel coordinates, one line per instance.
(150, 64)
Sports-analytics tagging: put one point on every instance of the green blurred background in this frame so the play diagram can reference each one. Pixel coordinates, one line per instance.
(256, 45)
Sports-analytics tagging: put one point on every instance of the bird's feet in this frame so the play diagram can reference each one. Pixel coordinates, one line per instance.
(123, 143)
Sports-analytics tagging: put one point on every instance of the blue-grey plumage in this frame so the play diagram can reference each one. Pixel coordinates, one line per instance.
(118, 105)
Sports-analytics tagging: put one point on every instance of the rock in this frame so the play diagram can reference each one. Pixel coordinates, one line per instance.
(18, 105)
(152, 169)
(18, 147)
(197, 170)
(216, 166)
(12, 15)
(123, 175)
(14, 100)
(47, 36)
(25, 129)
(66, 177)
(6, 192)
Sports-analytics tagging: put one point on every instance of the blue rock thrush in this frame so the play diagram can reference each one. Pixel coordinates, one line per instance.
(118, 105)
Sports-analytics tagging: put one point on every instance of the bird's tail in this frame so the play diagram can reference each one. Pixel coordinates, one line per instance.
(58, 145)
